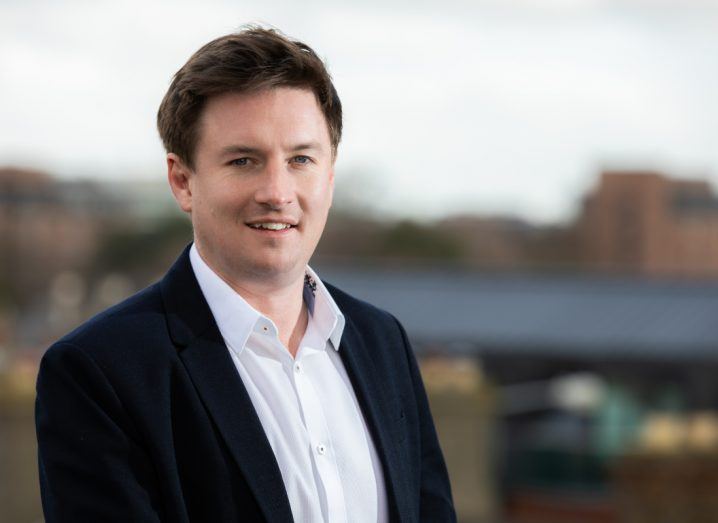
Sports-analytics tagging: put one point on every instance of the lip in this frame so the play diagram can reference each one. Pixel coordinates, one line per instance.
(274, 219)
(269, 233)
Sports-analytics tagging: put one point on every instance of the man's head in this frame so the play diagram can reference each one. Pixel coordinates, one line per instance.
(251, 125)
(252, 60)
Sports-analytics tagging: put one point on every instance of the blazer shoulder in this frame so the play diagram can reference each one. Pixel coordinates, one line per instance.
(133, 321)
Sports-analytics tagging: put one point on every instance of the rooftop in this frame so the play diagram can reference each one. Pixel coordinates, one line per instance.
(577, 316)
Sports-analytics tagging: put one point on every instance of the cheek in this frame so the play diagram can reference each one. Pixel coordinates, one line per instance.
(320, 212)
(320, 196)
(212, 214)
(220, 203)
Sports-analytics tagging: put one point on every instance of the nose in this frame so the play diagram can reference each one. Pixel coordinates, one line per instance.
(276, 187)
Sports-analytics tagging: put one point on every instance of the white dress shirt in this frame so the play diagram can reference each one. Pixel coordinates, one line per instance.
(306, 405)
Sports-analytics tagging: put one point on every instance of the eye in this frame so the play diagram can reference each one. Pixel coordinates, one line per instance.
(240, 162)
(301, 159)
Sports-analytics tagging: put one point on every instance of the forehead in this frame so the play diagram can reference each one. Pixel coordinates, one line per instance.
(280, 116)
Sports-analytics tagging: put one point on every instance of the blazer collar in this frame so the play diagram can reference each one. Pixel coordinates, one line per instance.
(369, 391)
(205, 356)
(187, 312)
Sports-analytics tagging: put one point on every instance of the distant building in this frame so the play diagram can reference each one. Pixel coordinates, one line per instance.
(66, 246)
(45, 226)
(645, 223)
(48, 225)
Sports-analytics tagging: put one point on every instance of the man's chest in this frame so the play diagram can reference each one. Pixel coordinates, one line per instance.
(314, 425)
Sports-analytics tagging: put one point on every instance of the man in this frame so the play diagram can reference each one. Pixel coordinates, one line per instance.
(241, 387)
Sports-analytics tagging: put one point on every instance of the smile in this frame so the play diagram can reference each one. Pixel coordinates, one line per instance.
(272, 226)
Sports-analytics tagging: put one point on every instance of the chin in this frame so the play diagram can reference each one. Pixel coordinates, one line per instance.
(272, 269)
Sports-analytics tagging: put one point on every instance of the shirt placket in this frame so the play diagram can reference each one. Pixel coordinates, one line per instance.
(322, 451)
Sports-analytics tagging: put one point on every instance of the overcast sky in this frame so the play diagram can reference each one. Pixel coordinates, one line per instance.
(494, 106)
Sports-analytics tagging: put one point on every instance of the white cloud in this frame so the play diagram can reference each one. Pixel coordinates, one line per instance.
(489, 105)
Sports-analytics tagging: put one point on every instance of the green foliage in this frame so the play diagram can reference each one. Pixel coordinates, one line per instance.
(8, 295)
(142, 251)
(410, 240)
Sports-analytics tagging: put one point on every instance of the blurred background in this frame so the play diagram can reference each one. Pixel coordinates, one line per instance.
(526, 184)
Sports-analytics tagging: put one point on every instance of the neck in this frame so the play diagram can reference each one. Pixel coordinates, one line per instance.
(283, 305)
(280, 301)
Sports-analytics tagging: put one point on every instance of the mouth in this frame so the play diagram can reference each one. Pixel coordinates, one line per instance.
(271, 226)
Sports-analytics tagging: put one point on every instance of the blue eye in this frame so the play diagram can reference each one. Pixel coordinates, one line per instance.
(240, 162)
(301, 159)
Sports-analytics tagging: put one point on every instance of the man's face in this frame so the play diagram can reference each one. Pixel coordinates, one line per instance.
(262, 185)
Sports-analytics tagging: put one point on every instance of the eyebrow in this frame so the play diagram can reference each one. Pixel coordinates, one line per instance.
(306, 146)
(239, 149)
(243, 149)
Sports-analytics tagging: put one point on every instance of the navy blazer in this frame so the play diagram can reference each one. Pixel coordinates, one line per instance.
(142, 416)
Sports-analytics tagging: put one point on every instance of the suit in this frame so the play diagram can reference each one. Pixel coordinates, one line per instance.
(141, 416)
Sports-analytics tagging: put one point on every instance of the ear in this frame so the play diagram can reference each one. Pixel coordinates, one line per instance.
(180, 176)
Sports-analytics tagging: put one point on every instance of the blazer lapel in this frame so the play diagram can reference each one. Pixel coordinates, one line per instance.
(367, 387)
(207, 360)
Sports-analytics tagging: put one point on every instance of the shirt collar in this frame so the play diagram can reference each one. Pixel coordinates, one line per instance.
(326, 315)
(236, 319)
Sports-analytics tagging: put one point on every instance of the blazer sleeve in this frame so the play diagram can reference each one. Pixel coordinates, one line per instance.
(91, 465)
(436, 504)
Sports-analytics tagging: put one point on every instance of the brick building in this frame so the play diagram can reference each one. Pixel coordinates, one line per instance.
(645, 223)
(45, 227)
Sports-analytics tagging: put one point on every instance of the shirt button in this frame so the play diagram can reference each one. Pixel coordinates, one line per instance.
(265, 328)
(297, 368)
(321, 449)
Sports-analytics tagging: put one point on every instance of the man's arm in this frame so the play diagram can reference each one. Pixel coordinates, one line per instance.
(91, 466)
(436, 502)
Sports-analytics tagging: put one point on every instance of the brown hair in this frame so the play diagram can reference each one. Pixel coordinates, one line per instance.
(253, 59)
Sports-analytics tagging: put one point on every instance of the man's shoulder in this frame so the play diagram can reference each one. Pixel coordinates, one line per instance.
(133, 322)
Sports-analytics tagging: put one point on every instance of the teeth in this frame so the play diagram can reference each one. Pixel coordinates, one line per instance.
(271, 226)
